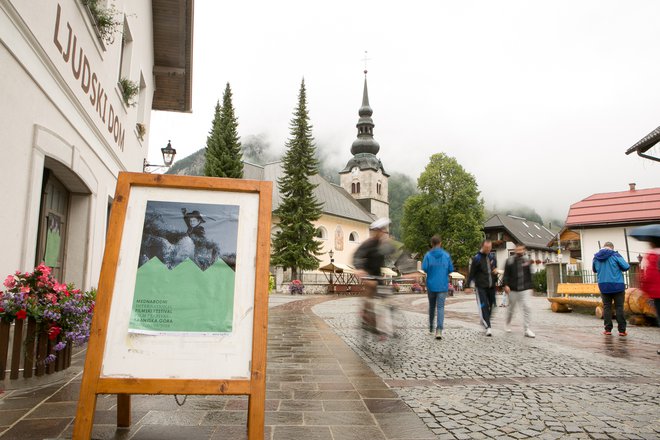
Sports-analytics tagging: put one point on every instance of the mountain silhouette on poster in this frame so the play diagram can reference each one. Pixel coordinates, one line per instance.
(184, 298)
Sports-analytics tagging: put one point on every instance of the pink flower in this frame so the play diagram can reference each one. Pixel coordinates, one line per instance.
(45, 270)
(10, 282)
(25, 289)
(21, 314)
(57, 287)
(52, 298)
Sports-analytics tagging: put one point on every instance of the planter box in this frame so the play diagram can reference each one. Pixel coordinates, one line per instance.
(21, 347)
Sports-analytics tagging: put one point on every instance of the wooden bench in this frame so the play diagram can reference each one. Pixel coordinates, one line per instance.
(577, 295)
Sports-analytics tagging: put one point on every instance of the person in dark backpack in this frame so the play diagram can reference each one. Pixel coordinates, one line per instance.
(650, 282)
(483, 272)
(609, 266)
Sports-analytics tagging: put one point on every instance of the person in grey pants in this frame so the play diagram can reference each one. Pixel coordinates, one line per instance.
(518, 285)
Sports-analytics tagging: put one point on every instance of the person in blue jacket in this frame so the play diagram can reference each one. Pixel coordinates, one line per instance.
(609, 267)
(437, 265)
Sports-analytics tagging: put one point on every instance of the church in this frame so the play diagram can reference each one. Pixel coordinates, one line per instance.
(349, 208)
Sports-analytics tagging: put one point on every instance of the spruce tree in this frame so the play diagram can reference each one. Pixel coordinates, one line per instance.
(223, 146)
(295, 246)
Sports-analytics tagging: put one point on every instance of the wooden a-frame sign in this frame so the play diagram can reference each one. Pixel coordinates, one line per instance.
(94, 382)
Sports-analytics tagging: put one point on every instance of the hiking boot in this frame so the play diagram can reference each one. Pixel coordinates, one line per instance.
(438, 334)
(529, 333)
(607, 332)
(623, 333)
(489, 332)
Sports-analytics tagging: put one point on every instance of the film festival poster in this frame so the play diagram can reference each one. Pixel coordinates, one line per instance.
(186, 269)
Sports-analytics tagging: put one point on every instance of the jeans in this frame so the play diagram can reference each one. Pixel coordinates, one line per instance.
(521, 297)
(486, 302)
(618, 299)
(437, 300)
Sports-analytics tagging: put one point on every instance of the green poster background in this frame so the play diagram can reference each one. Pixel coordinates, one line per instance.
(183, 299)
(53, 242)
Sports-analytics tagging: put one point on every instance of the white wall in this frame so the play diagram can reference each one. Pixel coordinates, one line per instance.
(590, 237)
(46, 114)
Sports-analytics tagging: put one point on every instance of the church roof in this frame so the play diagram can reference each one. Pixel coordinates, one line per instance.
(333, 198)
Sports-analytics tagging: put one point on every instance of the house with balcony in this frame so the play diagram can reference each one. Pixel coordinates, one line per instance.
(507, 230)
(609, 217)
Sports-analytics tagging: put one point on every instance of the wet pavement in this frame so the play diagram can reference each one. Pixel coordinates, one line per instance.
(329, 380)
(569, 382)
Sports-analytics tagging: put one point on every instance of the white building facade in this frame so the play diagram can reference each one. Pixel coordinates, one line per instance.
(68, 130)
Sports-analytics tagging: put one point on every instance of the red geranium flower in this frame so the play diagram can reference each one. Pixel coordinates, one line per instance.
(53, 332)
(21, 314)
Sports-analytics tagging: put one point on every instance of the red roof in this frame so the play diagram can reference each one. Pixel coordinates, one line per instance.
(634, 206)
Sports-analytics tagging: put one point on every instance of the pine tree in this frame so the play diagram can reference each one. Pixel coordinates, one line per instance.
(295, 246)
(223, 146)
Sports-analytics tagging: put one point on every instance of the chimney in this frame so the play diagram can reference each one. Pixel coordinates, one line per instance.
(632, 186)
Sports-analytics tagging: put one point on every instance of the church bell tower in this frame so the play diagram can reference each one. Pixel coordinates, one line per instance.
(364, 177)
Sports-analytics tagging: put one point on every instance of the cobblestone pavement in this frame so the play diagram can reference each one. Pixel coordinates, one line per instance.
(318, 388)
(569, 382)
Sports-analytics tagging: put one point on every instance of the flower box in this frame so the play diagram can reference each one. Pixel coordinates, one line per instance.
(40, 320)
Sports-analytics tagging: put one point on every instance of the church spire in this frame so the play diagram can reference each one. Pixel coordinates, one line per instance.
(365, 142)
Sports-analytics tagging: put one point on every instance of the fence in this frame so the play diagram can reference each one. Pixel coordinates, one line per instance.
(22, 348)
(630, 277)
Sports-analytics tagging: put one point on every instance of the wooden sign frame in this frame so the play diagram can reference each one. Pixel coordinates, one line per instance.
(254, 386)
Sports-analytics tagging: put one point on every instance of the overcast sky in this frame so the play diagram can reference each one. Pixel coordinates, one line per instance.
(537, 99)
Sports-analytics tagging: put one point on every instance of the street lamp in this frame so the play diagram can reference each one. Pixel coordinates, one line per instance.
(168, 157)
(331, 288)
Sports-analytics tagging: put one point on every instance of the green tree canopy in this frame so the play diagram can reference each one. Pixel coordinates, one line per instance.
(295, 245)
(223, 146)
(448, 205)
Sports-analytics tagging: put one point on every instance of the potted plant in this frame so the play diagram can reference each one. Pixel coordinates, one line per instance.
(141, 130)
(105, 19)
(61, 312)
(129, 90)
(296, 287)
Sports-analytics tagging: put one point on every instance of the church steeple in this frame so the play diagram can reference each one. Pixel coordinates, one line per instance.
(365, 142)
(364, 177)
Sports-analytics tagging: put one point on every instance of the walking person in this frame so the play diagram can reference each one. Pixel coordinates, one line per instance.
(518, 287)
(651, 276)
(483, 273)
(609, 266)
(438, 265)
(368, 259)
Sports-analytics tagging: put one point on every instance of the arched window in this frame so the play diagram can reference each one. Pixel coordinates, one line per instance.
(379, 188)
(357, 186)
(321, 233)
(353, 188)
(353, 237)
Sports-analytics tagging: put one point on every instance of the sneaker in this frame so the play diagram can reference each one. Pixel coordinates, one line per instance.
(431, 331)
(623, 333)
(489, 332)
(607, 332)
(438, 334)
(529, 333)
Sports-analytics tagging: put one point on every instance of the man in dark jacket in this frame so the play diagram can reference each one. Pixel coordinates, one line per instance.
(483, 272)
(518, 285)
(609, 267)
(369, 259)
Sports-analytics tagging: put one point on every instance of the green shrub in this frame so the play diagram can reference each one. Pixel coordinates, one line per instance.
(540, 281)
